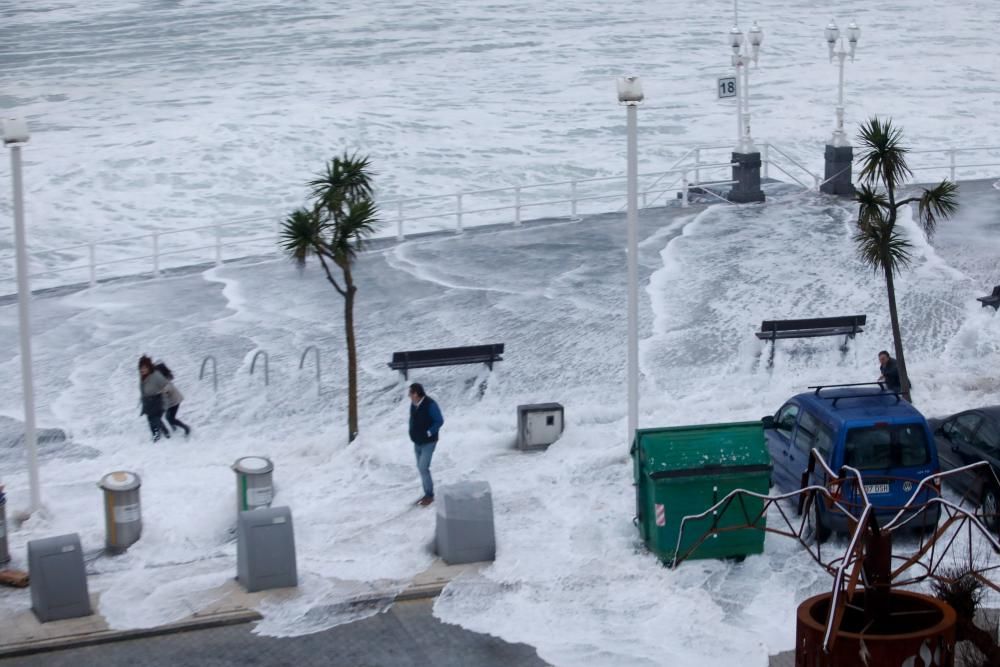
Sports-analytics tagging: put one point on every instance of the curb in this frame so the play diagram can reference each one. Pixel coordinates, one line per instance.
(196, 622)
(216, 620)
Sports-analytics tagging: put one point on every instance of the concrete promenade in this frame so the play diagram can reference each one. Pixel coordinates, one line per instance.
(221, 634)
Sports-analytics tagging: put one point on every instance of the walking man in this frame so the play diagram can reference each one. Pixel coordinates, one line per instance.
(425, 422)
(890, 372)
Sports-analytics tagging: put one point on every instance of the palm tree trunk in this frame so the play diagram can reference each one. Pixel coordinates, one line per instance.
(352, 357)
(897, 339)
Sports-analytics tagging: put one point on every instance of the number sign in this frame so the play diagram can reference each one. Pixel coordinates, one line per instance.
(727, 86)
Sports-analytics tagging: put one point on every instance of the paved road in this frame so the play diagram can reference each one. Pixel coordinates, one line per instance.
(407, 635)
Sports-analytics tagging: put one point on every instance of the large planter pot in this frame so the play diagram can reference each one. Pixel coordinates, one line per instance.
(919, 631)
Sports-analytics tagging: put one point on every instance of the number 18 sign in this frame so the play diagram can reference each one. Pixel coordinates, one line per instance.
(727, 86)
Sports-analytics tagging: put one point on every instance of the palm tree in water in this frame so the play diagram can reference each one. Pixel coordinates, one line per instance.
(879, 242)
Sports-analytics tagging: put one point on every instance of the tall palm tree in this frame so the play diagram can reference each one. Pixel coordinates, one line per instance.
(879, 243)
(335, 229)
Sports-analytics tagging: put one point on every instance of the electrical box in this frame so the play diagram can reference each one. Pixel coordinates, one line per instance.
(464, 531)
(58, 578)
(539, 425)
(265, 549)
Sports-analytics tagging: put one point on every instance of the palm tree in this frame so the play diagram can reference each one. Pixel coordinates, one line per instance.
(334, 229)
(879, 243)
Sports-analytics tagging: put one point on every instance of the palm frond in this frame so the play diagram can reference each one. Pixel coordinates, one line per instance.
(883, 157)
(345, 179)
(872, 205)
(302, 234)
(358, 224)
(881, 247)
(937, 203)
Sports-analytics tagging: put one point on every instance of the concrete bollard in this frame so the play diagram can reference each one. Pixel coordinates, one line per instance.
(254, 487)
(4, 552)
(122, 510)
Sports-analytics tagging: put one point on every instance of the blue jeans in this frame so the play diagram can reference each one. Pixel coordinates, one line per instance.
(424, 454)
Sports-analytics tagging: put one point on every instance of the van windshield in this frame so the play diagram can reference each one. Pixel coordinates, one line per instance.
(885, 446)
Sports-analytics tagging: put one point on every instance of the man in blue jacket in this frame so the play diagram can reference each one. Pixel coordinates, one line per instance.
(425, 423)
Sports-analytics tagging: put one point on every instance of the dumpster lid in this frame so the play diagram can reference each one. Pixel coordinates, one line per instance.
(253, 464)
(120, 480)
(709, 447)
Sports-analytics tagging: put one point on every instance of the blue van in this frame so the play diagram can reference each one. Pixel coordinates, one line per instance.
(862, 426)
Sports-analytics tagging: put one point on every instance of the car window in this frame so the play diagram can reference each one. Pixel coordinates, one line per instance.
(886, 446)
(824, 440)
(912, 444)
(868, 448)
(812, 433)
(965, 426)
(786, 417)
(988, 438)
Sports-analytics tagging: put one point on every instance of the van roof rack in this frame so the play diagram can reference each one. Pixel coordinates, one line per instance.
(880, 385)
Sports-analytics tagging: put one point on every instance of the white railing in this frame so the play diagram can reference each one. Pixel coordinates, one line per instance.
(952, 165)
(153, 253)
(90, 263)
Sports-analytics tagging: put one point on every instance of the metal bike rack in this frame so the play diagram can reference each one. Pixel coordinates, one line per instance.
(302, 362)
(215, 376)
(253, 362)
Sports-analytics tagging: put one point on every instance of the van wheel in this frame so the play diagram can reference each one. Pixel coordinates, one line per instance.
(989, 507)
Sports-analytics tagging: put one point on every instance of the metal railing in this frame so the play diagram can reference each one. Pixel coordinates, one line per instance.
(952, 166)
(159, 251)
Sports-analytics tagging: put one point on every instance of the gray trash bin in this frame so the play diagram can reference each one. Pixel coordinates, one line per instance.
(464, 530)
(254, 488)
(122, 510)
(58, 578)
(4, 553)
(265, 549)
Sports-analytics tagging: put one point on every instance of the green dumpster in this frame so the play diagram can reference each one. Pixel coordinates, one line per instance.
(684, 470)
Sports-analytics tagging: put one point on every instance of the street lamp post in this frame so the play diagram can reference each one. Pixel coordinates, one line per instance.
(630, 95)
(839, 155)
(746, 157)
(15, 134)
(745, 51)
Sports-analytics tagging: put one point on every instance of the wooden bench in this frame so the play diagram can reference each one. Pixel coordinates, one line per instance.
(848, 325)
(447, 356)
(991, 300)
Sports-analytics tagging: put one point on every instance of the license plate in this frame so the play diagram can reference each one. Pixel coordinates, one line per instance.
(875, 489)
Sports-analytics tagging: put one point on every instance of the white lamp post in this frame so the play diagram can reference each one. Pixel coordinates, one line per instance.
(15, 133)
(630, 95)
(745, 51)
(832, 33)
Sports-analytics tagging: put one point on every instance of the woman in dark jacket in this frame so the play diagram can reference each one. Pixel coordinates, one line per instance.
(151, 386)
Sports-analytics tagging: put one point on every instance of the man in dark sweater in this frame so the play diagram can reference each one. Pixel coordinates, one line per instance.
(425, 423)
(890, 372)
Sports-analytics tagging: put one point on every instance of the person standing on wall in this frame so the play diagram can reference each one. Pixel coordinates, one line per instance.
(172, 398)
(426, 421)
(151, 386)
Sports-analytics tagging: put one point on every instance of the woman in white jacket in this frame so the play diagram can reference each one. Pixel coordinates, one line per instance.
(172, 398)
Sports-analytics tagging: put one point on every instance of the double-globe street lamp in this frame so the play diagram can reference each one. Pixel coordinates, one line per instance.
(839, 155)
(15, 135)
(630, 95)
